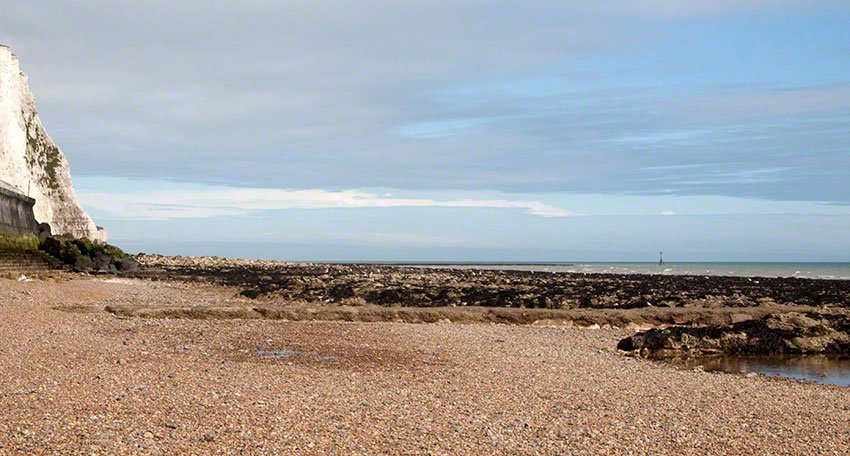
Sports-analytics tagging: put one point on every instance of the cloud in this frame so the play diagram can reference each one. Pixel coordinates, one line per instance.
(744, 177)
(410, 240)
(478, 95)
(232, 202)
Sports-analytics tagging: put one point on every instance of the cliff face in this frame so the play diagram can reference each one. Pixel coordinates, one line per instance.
(30, 161)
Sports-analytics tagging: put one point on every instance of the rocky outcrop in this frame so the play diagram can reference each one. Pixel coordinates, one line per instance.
(31, 162)
(386, 285)
(785, 333)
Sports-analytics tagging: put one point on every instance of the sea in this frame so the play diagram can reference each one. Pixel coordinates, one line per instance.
(832, 271)
(830, 370)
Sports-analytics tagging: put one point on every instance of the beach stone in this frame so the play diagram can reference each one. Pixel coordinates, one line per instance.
(210, 436)
(432, 388)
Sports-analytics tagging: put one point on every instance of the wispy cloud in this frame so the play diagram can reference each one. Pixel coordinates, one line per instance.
(229, 202)
(443, 128)
(410, 239)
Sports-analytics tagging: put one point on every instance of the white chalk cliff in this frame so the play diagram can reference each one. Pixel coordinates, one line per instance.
(30, 161)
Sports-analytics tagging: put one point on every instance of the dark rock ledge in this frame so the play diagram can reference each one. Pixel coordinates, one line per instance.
(774, 334)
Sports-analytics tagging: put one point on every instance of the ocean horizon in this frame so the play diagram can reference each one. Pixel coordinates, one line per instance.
(803, 270)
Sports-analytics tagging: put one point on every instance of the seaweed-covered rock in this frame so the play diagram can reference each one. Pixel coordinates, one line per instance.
(82, 262)
(426, 287)
(786, 333)
(62, 249)
(70, 253)
(85, 246)
(84, 255)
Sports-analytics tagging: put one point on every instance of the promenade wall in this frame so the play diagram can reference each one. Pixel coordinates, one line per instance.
(16, 212)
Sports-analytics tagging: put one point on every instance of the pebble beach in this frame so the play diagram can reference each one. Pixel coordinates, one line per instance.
(77, 380)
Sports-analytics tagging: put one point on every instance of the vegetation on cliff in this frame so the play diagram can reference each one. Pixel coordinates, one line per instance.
(41, 153)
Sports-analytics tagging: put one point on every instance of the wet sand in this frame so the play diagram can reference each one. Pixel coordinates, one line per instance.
(83, 381)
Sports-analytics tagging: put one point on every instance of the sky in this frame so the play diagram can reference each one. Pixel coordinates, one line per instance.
(451, 131)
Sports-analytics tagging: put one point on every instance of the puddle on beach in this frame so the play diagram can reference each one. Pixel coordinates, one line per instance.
(814, 368)
(124, 281)
(274, 354)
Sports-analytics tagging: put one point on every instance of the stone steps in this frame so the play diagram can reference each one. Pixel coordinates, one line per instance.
(16, 263)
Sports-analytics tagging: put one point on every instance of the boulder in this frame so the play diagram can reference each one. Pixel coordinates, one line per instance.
(101, 261)
(44, 231)
(127, 264)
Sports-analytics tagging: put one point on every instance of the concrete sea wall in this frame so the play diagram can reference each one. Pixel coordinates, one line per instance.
(16, 213)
